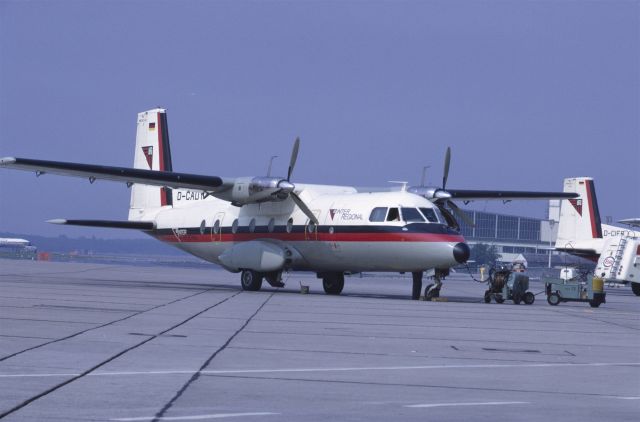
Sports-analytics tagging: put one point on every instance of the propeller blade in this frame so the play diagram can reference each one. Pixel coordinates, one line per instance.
(451, 220)
(303, 207)
(460, 214)
(447, 161)
(294, 157)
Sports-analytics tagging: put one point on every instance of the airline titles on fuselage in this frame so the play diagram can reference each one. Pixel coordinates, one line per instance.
(344, 214)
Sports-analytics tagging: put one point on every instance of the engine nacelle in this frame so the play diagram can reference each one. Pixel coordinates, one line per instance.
(249, 190)
(254, 255)
(429, 192)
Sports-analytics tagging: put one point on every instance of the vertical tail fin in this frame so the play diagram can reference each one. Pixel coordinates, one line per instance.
(152, 152)
(579, 217)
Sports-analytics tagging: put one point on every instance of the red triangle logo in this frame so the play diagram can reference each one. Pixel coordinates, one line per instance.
(577, 204)
(332, 212)
(148, 154)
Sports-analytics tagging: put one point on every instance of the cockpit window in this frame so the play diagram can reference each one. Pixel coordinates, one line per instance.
(411, 215)
(394, 214)
(378, 214)
(430, 214)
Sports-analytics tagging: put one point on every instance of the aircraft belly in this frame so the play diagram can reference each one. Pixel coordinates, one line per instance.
(375, 256)
(209, 251)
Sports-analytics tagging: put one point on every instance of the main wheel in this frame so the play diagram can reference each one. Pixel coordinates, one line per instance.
(487, 296)
(517, 299)
(251, 280)
(529, 298)
(499, 299)
(635, 288)
(333, 285)
(553, 299)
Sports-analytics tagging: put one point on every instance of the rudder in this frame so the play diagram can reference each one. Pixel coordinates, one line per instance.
(153, 152)
(579, 217)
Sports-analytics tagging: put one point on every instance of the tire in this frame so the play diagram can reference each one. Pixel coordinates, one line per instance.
(499, 299)
(529, 298)
(333, 285)
(251, 280)
(517, 299)
(430, 293)
(553, 299)
(635, 288)
(487, 296)
(594, 303)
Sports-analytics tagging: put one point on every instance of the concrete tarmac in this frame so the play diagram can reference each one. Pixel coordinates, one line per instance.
(125, 343)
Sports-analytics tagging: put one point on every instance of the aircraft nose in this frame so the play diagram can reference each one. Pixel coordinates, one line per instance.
(461, 252)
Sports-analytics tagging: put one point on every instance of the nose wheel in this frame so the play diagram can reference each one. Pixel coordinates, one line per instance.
(432, 291)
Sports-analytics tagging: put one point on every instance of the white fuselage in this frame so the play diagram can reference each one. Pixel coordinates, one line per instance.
(344, 240)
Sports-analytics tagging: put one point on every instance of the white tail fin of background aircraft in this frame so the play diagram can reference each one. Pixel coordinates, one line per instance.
(153, 152)
(580, 230)
(579, 217)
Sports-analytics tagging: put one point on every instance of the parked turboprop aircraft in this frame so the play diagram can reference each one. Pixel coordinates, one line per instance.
(262, 226)
(580, 231)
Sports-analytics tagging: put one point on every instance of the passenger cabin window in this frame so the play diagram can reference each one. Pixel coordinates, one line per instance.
(412, 215)
(430, 214)
(394, 214)
(378, 214)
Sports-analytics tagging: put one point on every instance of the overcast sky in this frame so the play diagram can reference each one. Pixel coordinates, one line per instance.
(525, 93)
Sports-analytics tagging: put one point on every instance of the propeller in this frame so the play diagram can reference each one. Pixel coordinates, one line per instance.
(296, 198)
(294, 158)
(444, 197)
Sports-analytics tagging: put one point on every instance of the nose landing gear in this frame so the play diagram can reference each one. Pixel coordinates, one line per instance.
(432, 290)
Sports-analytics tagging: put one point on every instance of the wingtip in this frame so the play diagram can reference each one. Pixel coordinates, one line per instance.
(7, 160)
(57, 221)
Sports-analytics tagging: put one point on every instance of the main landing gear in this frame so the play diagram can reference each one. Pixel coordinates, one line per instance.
(432, 290)
(333, 283)
(252, 280)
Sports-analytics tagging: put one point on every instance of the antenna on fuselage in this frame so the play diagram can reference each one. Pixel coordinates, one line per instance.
(424, 175)
(403, 183)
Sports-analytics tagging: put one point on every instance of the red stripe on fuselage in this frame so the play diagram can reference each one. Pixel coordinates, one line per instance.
(322, 237)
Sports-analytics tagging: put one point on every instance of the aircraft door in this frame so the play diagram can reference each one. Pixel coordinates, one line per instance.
(216, 227)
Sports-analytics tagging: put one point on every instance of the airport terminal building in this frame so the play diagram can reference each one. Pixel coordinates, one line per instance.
(518, 237)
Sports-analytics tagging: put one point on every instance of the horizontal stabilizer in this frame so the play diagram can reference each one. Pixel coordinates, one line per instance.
(110, 224)
(118, 174)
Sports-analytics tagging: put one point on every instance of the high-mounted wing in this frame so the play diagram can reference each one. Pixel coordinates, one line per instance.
(119, 174)
(506, 195)
(442, 197)
(239, 191)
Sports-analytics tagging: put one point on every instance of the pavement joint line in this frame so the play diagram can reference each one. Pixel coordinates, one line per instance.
(335, 369)
(194, 377)
(196, 417)
(98, 326)
(489, 403)
(112, 358)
